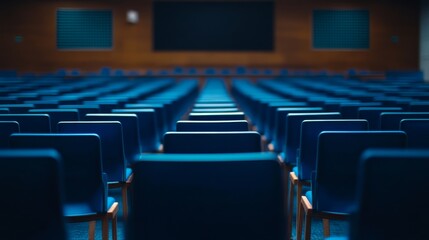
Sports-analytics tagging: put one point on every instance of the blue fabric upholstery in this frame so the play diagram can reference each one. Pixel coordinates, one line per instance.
(387, 208)
(199, 196)
(208, 126)
(216, 116)
(372, 115)
(112, 146)
(417, 131)
(85, 189)
(57, 115)
(30, 123)
(6, 129)
(212, 142)
(391, 120)
(334, 189)
(32, 181)
(293, 131)
(310, 130)
(130, 131)
(279, 135)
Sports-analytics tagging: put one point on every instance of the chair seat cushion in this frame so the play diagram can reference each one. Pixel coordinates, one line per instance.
(295, 170)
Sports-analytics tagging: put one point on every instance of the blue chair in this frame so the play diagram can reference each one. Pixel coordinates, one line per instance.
(4, 110)
(372, 115)
(32, 181)
(6, 129)
(215, 105)
(333, 194)
(112, 152)
(209, 126)
(217, 116)
(30, 123)
(417, 131)
(293, 132)
(386, 208)
(150, 139)
(208, 196)
(307, 153)
(82, 109)
(130, 130)
(58, 115)
(279, 133)
(212, 142)
(391, 120)
(17, 108)
(85, 183)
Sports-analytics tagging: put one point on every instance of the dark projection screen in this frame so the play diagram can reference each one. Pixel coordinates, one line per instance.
(213, 26)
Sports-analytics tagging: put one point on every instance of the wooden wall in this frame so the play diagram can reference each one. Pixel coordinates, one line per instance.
(35, 22)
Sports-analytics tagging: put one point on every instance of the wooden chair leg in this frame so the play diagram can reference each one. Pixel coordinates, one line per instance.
(91, 230)
(298, 207)
(307, 229)
(326, 228)
(290, 212)
(299, 221)
(114, 227)
(125, 201)
(105, 228)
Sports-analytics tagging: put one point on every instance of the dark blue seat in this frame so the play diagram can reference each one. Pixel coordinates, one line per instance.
(6, 129)
(58, 115)
(307, 153)
(372, 115)
(82, 109)
(217, 116)
(30, 123)
(279, 133)
(212, 142)
(17, 108)
(160, 112)
(208, 196)
(386, 208)
(130, 130)
(214, 110)
(150, 139)
(209, 126)
(417, 131)
(391, 120)
(333, 194)
(32, 181)
(85, 184)
(293, 132)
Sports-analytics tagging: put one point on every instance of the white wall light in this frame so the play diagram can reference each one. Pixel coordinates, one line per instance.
(132, 16)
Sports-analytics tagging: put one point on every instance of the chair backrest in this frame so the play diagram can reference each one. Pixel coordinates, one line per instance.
(83, 169)
(208, 126)
(391, 120)
(112, 144)
(208, 196)
(214, 110)
(30, 123)
(212, 142)
(31, 181)
(293, 131)
(150, 139)
(386, 207)
(310, 130)
(338, 154)
(82, 109)
(417, 131)
(6, 129)
(130, 130)
(372, 115)
(57, 115)
(216, 116)
(279, 134)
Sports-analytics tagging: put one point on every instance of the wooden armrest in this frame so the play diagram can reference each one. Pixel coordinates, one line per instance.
(293, 178)
(271, 147)
(306, 204)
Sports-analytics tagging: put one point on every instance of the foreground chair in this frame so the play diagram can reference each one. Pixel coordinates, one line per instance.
(417, 131)
(212, 142)
(112, 152)
(200, 196)
(85, 184)
(333, 186)
(32, 181)
(385, 207)
(307, 152)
